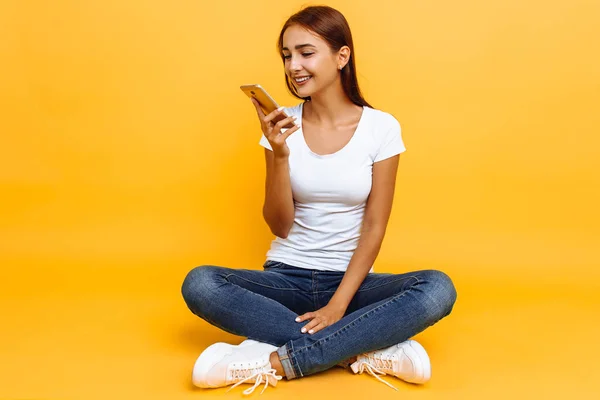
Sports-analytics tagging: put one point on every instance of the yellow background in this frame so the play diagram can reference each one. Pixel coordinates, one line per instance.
(128, 155)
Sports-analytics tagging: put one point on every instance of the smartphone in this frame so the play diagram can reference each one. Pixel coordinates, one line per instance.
(265, 101)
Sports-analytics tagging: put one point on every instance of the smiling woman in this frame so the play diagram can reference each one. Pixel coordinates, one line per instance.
(326, 32)
(328, 197)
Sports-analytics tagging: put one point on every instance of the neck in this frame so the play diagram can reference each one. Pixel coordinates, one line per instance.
(330, 106)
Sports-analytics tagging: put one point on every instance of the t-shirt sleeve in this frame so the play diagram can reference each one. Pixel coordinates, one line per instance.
(391, 142)
(265, 143)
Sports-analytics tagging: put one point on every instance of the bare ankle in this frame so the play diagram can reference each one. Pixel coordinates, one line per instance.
(276, 364)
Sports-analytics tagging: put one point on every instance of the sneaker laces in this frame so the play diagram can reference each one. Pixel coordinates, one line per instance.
(374, 366)
(247, 373)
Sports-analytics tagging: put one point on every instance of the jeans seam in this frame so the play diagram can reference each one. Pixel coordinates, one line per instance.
(295, 367)
(383, 284)
(258, 284)
(314, 290)
(373, 287)
(392, 299)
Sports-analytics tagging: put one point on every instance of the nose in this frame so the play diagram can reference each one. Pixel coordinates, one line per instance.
(294, 64)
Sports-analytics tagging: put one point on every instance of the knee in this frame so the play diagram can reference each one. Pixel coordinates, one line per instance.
(197, 285)
(441, 292)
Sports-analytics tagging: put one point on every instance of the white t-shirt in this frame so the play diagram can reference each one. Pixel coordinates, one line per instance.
(330, 192)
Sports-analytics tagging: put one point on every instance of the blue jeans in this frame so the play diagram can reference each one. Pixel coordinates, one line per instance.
(263, 305)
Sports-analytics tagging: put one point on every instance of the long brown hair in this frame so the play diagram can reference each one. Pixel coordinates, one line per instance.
(332, 26)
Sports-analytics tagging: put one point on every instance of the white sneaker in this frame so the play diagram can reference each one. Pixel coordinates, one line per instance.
(407, 360)
(223, 364)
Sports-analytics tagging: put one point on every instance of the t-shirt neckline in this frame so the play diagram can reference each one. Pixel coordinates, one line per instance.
(358, 126)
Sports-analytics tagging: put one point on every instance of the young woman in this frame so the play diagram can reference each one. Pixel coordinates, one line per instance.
(329, 189)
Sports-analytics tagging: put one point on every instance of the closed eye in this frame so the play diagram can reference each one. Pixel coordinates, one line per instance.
(304, 54)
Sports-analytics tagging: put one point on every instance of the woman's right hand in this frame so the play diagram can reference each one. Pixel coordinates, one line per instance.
(273, 131)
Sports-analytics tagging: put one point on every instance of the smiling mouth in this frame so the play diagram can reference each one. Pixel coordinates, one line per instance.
(303, 80)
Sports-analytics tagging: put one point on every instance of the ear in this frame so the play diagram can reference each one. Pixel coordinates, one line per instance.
(343, 56)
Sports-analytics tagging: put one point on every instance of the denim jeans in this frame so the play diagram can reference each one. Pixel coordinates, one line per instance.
(262, 305)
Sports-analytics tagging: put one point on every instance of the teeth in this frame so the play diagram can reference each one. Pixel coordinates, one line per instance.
(302, 79)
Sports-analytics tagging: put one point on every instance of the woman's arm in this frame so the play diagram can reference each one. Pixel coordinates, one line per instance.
(278, 209)
(377, 214)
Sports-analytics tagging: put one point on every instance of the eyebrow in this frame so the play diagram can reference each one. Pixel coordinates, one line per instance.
(299, 46)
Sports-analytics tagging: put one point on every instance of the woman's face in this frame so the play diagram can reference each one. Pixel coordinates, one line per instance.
(307, 55)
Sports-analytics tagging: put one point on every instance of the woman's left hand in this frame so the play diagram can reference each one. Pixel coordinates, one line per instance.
(323, 317)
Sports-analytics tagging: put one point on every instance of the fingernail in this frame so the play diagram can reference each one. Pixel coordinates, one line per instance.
(298, 319)
(294, 117)
(280, 108)
(311, 331)
(303, 330)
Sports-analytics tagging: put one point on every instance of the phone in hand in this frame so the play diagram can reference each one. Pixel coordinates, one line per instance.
(265, 101)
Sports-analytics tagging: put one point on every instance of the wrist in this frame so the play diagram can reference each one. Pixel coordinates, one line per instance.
(280, 158)
(338, 304)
